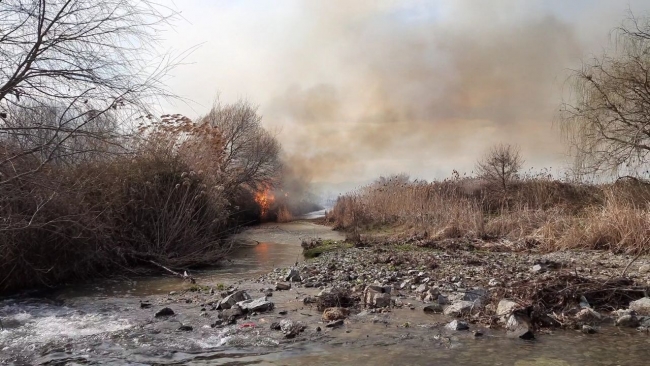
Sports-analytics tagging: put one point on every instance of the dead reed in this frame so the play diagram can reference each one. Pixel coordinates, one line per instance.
(554, 214)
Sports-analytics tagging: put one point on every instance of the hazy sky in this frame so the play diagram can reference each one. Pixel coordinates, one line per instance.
(357, 89)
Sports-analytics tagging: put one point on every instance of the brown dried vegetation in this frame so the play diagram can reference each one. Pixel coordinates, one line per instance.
(538, 212)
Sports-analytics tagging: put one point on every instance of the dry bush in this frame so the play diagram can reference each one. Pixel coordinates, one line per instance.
(553, 215)
(616, 226)
(78, 221)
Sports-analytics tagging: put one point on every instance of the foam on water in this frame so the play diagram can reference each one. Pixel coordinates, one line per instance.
(29, 324)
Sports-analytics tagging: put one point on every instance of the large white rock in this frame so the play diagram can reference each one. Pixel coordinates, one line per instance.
(459, 308)
(505, 308)
(230, 300)
(519, 326)
(641, 306)
(259, 305)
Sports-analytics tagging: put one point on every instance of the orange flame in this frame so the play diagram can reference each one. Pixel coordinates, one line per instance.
(264, 199)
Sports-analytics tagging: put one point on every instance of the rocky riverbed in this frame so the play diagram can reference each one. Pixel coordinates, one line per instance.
(352, 300)
(465, 293)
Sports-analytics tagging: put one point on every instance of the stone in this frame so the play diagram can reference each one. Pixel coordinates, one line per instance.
(588, 329)
(258, 305)
(588, 316)
(443, 300)
(309, 300)
(457, 325)
(628, 321)
(232, 299)
(459, 308)
(377, 296)
(641, 306)
(433, 308)
(233, 312)
(327, 291)
(164, 312)
(478, 296)
(291, 328)
(644, 322)
(505, 308)
(185, 328)
(519, 326)
(494, 282)
(335, 323)
(337, 313)
(275, 326)
(537, 268)
(645, 268)
(145, 305)
(421, 289)
(293, 276)
(282, 286)
(621, 312)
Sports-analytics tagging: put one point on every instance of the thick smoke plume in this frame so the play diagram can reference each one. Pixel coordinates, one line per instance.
(357, 89)
(389, 92)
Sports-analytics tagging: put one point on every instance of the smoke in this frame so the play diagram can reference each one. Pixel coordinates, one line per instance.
(357, 89)
(406, 92)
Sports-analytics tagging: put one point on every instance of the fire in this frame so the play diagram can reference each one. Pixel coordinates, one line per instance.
(264, 198)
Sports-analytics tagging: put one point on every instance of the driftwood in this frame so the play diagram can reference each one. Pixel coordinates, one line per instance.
(183, 275)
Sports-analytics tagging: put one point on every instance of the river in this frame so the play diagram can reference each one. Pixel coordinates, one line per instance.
(103, 323)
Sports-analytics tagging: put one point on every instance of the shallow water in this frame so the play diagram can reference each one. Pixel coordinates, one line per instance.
(102, 323)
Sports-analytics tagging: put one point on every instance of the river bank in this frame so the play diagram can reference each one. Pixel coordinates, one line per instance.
(205, 327)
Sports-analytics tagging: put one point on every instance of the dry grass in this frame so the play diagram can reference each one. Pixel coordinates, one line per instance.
(553, 215)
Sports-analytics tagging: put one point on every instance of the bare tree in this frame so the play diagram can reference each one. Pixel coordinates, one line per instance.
(608, 117)
(251, 153)
(75, 64)
(500, 165)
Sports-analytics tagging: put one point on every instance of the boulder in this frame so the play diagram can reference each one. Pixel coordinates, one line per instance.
(457, 325)
(232, 299)
(519, 326)
(628, 321)
(641, 306)
(282, 286)
(337, 313)
(505, 308)
(258, 305)
(376, 296)
(459, 308)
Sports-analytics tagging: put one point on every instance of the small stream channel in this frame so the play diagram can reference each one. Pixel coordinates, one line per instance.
(102, 323)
